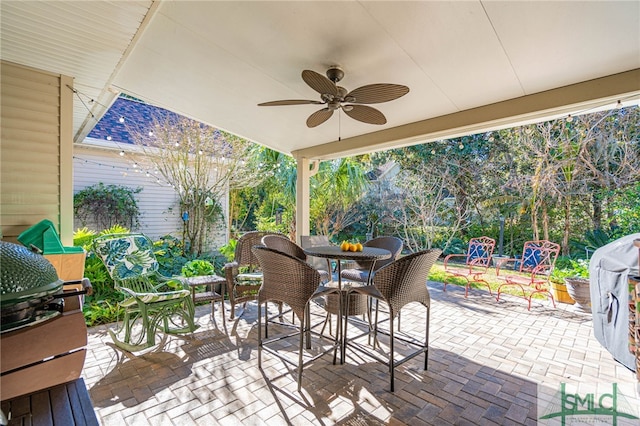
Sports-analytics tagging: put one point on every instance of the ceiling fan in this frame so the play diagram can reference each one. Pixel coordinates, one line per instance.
(335, 97)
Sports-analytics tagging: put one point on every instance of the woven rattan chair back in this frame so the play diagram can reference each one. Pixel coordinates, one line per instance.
(393, 244)
(285, 245)
(243, 254)
(286, 278)
(405, 280)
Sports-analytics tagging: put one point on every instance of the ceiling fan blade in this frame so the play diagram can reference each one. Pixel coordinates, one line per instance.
(319, 117)
(365, 114)
(319, 82)
(376, 93)
(290, 102)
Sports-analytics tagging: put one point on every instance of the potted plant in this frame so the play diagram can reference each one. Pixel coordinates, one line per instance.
(576, 279)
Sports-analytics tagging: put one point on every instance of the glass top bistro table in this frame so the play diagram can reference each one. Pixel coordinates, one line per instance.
(358, 304)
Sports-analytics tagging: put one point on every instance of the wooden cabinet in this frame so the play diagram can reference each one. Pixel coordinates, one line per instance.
(43, 355)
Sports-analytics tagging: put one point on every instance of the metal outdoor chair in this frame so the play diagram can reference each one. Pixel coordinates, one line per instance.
(398, 283)
(476, 262)
(152, 301)
(289, 280)
(534, 269)
(244, 275)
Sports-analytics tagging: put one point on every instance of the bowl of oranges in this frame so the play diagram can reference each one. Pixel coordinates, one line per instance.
(347, 246)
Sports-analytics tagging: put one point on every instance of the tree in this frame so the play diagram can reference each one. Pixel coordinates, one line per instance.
(201, 163)
(333, 190)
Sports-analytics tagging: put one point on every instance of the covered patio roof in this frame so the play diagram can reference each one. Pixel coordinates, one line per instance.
(471, 66)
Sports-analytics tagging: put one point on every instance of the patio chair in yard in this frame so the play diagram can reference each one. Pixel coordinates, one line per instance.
(244, 275)
(303, 283)
(534, 269)
(476, 262)
(151, 300)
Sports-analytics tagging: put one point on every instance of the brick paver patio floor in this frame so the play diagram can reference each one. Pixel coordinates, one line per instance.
(486, 361)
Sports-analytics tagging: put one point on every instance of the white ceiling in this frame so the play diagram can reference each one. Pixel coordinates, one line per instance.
(215, 61)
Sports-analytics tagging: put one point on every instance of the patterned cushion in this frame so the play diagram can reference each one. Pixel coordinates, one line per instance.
(128, 256)
(531, 257)
(250, 277)
(476, 251)
(156, 297)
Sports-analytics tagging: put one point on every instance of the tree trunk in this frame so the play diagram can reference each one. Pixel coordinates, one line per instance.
(596, 202)
(567, 225)
(534, 220)
(545, 221)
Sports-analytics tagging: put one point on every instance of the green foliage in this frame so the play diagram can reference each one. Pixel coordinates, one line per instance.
(101, 312)
(169, 252)
(106, 205)
(455, 246)
(83, 237)
(229, 250)
(597, 238)
(197, 267)
(625, 210)
(101, 282)
(566, 267)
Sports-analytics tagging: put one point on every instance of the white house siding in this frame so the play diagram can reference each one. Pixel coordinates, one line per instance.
(158, 205)
(35, 150)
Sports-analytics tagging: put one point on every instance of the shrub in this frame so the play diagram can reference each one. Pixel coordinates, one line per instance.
(170, 253)
(197, 267)
(106, 205)
(566, 267)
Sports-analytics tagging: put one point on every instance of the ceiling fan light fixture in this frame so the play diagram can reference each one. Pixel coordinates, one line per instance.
(335, 74)
(333, 96)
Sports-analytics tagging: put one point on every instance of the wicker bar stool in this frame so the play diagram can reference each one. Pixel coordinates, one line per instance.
(397, 284)
(287, 279)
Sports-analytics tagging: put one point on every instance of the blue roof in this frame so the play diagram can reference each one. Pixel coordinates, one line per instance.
(136, 115)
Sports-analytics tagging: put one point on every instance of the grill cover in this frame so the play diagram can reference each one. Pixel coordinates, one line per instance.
(609, 271)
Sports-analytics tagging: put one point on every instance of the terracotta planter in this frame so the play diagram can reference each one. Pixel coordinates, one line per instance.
(578, 289)
(560, 293)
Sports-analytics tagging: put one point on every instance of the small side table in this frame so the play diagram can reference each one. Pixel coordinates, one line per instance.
(210, 294)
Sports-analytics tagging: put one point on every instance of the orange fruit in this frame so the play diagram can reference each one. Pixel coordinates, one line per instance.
(359, 247)
(353, 247)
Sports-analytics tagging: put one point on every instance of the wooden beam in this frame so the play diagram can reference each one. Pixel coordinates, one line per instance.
(542, 106)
